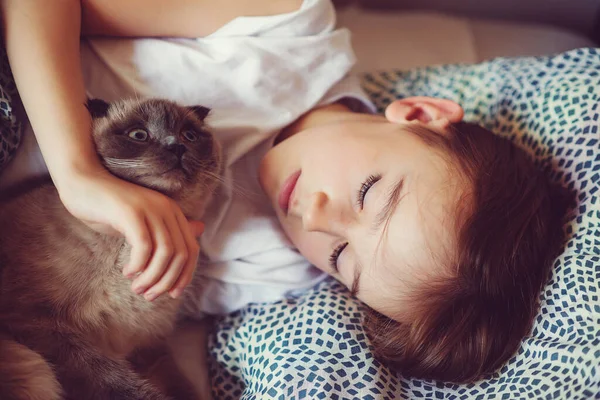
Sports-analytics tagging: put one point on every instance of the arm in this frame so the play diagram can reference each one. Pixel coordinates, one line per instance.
(179, 18)
(42, 41)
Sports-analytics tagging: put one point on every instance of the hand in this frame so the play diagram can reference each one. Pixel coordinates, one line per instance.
(164, 250)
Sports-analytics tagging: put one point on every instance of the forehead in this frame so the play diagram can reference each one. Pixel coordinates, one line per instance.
(153, 114)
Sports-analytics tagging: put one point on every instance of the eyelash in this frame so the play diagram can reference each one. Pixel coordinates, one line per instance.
(362, 192)
(364, 188)
(333, 258)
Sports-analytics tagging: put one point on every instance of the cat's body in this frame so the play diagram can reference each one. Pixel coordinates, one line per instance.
(70, 325)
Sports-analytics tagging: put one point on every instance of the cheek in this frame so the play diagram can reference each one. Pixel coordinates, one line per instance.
(305, 146)
(341, 157)
(315, 249)
(203, 149)
(314, 246)
(119, 147)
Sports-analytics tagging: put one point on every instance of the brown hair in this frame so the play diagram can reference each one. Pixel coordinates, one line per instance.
(470, 324)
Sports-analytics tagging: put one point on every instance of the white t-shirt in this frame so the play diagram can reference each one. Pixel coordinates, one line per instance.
(258, 74)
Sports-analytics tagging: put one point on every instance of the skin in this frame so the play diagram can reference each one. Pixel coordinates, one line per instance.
(336, 150)
(42, 43)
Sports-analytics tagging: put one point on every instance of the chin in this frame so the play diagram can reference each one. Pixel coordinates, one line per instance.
(169, 183)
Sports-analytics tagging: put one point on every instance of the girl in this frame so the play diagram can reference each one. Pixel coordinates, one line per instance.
(440, 227)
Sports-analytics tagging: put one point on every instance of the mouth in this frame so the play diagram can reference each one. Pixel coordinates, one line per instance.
(177, 168)
(287, 190)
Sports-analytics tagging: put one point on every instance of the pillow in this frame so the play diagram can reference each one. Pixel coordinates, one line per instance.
(10, 126)
(314, 346)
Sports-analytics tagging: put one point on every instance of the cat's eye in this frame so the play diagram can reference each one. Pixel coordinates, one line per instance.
(190, 136)
(139, 134)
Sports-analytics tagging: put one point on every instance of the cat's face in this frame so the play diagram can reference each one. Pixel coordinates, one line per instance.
(157, 144)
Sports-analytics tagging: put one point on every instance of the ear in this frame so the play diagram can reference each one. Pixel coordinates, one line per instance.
(97, 108)
(200, 111)
(428, 110)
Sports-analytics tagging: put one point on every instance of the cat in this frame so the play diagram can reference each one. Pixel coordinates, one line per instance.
(70, 325)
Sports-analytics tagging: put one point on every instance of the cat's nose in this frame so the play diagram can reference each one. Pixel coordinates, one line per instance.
(178, 149)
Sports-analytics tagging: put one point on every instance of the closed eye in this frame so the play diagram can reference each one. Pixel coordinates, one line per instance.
(364, 188)
(333, 258)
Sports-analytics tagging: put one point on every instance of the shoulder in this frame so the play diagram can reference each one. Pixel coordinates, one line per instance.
(275, 7)
(287, 19)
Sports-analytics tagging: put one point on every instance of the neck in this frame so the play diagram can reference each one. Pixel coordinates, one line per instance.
(325, 115)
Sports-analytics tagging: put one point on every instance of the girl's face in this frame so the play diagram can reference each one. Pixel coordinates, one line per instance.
(368, 201)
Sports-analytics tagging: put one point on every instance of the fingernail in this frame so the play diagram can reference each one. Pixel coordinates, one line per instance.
(130, 272)
(150, 296)
(175, 293)
(198, 228)
(139, 289)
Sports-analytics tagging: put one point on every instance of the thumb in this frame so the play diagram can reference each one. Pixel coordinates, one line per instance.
(197, 227)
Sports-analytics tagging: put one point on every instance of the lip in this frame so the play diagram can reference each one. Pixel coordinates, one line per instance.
(287, 189)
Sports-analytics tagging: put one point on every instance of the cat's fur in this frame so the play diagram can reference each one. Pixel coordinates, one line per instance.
(70, 325)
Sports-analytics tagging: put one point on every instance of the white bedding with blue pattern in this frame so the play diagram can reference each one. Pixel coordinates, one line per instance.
(314, 346)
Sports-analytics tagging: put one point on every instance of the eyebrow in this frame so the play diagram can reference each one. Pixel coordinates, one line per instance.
(390, 205)
(356, 281)
(384, 215)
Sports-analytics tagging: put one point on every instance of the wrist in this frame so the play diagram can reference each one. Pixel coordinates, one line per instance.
(69, 171)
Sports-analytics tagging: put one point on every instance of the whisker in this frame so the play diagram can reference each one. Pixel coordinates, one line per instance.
(121, 163)
(196, 164)
(234, 186)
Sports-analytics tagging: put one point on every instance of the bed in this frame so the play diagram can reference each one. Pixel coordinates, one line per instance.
(313, 346)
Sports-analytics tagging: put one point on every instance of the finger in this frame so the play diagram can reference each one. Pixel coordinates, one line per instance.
(163, 252)
(176, 264)
(138, 236)
(193, 250)
(197, 226)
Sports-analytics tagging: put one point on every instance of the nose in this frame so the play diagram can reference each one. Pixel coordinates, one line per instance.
(178, 149)
(321, 215)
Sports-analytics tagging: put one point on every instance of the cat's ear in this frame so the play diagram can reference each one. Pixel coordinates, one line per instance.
(98, 108)
(200, 111)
